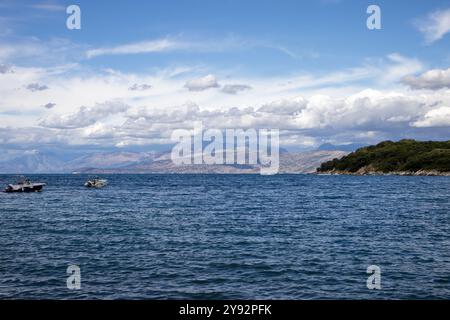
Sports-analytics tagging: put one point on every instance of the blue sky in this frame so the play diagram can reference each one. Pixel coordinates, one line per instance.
(310, 68)
(317, 35)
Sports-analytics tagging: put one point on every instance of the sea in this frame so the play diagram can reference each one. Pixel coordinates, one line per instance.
(183, 236)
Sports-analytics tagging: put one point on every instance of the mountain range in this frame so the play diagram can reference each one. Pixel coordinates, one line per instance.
(153, 162)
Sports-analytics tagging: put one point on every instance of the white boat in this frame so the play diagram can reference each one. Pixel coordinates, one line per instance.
(25, 185)
(96, 182)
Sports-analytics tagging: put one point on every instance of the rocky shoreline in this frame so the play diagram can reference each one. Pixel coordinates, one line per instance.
(368, 172)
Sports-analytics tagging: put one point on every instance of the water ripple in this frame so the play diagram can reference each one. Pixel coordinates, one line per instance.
(227, 237)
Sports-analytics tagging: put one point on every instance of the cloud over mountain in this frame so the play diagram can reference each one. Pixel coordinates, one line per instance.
(302, 120)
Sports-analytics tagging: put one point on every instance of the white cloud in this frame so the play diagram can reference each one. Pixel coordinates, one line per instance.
(33, 136)
(66, 82)
(369, 115)
(37, 52)
(18, 50)
(36, 87)
(229, 43)
(399, 67)
(439, 117)
(140, 87)
(4, 68)
(383, 72)
(49, 105)
(49, 6)
(203, 83)
(235, 88)
(160, 45)
(292, 106)
(310, 106)
(365, 113)
(85, 116)
(435, 26)
(433, 79)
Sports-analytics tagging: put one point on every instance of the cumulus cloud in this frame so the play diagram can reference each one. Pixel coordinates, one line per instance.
(292, 106)
(4, 68)
(32, 136)
(368, 116)
(85, 116)
(204, 83)
(435, 26)
(369, 110)
(433, 79)
(140, 87)
(327, 108)
(439, 117)
(36, 87)
(50, 105)
(235, 88)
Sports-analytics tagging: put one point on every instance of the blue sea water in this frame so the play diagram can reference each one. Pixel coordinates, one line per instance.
(227, 237)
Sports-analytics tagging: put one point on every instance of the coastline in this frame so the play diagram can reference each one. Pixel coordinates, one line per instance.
(364, 172)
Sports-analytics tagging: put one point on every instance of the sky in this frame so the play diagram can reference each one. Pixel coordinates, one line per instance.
(137, 70)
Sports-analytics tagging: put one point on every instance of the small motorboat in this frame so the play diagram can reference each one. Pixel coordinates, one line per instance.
(25, 185)
(96, 182)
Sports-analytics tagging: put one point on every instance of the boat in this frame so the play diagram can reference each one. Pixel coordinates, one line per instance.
(25, 185)
(96, 182)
